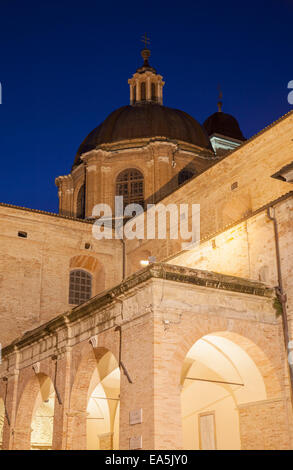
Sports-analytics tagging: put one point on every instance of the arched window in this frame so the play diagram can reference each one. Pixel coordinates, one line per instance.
(184, 175)
(143, 92)
(130, 185)
(154, 98)
(80, 286)
(80, 203)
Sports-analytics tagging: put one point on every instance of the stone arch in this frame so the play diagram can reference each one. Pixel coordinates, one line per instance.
(79, 200)
(254, 406)
(254, 345)
(25, 410)
(94, 267)
(81, 390)
(255, 342)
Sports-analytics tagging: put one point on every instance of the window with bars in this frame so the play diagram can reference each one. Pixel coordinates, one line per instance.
(130, 185)
(80, 286)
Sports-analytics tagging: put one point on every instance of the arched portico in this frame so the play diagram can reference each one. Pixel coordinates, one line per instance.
(94, 401)
(35, 414)
(218, 376)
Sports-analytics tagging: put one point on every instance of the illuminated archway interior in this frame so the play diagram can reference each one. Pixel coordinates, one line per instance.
(43, 416)
(103, 405)
(217, 376)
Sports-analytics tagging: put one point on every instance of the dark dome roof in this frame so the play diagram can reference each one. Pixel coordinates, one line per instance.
(142, 121)
(225, 124)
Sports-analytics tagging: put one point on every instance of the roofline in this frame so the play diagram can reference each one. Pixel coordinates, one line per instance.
(52, 214)
(220, 158)
(274, 123)
(284, 197)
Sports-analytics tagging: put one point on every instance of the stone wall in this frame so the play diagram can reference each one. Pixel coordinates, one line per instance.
(162, 312)
(222, 201)
(34, 271)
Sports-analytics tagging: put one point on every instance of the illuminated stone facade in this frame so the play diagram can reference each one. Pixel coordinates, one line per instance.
(187, 353)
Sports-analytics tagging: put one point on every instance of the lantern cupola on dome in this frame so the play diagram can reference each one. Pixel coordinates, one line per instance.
(146, 85)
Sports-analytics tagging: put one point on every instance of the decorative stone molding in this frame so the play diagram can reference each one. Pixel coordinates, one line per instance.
(164, 159)
(94, 341)
(105, 169)
(36, 367)
(91, 168)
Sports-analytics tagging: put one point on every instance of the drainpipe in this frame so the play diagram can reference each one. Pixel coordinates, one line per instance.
(281, 295)
(5, 379)
(123, 367)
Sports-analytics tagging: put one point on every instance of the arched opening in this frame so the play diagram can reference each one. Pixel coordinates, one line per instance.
(130, 185)
(80, 203)
(35, 413)
(184, 175)
(2, 415)
(80, 286)
(153, 91)
(218, 376)
(94, 403)
(43, 416)
(143, 91)
(103, 405)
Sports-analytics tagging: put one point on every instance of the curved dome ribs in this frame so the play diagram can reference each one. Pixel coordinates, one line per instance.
(145, 121)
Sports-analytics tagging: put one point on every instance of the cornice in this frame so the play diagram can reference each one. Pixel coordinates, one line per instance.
(162, 271)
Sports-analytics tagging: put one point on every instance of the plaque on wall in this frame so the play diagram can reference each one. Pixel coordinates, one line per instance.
(135, 442)
(135, 416)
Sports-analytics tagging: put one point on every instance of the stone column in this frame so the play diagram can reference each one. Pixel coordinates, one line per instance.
(76, 430)
(160, 93)
(108, 187)
(61, 410)
(148, 89)
(91, 182)
(137, 397)
(131, 94)
(138, 94)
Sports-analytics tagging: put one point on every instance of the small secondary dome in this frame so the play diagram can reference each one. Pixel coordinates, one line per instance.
(224, 124)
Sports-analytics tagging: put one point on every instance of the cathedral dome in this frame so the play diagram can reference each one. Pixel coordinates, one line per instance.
(224, 124)
(145, 120)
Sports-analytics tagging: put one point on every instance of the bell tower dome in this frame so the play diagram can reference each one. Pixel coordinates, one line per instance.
(146, 85)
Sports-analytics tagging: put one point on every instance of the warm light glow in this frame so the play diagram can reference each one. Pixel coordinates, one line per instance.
(217, 377)
(144, 262)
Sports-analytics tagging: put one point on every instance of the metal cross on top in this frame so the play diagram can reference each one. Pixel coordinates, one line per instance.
(146, 40)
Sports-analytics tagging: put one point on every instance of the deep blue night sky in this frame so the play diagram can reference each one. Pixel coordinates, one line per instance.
(64, 67)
